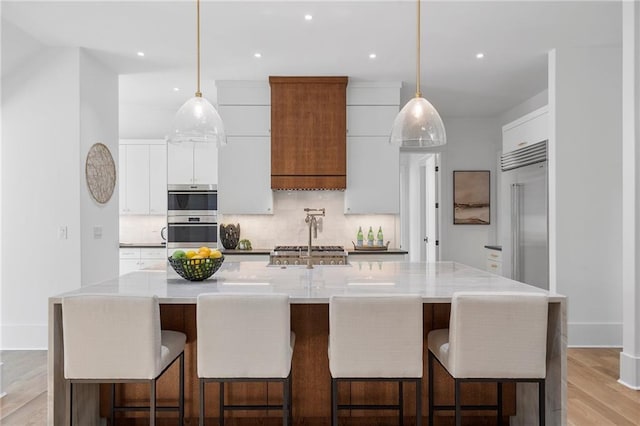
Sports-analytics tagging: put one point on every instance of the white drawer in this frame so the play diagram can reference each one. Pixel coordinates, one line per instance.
(129, 253)
(153, 253)
(494, 267)
(494, 255)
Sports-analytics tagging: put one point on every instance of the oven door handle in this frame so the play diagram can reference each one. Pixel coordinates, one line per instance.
(192, 224)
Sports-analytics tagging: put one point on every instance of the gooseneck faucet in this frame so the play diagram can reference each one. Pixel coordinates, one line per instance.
(312, 221)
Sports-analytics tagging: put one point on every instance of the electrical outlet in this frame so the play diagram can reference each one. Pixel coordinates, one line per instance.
(97, 232)
(62, 233)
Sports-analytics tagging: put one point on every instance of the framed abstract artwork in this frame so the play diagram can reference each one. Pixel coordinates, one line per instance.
(471, 197)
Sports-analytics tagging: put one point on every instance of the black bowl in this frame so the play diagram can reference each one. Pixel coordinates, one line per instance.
(196, 269)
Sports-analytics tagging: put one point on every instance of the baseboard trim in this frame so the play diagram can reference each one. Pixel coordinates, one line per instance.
(20, 337)
(629, 371)
(594, 334)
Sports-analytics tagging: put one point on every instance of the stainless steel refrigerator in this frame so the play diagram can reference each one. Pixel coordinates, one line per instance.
(524, 215)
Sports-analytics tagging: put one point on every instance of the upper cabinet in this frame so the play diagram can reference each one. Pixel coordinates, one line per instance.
(308, 132)
(245, 162)
(373, 165)
(192, 163)
(527, 130)
(143, 177)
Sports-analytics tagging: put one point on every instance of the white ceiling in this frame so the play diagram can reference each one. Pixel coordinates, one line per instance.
(515, 37)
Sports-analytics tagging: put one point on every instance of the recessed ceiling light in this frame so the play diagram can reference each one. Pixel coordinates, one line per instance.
(480, 55)
(372, 56)
(176, 89)
(258, 55)
(308, 17)
(140, 53)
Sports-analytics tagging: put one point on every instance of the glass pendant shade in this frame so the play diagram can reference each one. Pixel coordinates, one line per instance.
(198, 121)
(418, 125)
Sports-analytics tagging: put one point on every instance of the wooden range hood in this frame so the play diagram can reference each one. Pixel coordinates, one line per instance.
(308, 133)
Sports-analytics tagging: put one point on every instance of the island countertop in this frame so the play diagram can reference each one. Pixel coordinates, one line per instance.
(435, 282)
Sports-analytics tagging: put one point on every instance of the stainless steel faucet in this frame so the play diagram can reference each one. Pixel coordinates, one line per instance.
(312, 221)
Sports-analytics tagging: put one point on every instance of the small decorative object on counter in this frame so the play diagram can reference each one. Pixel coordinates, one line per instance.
(229, 235)
(244, 245)
(370, 237)
(360, 237)
(380, 236)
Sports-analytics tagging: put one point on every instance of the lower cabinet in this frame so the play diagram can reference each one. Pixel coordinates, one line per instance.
(494, 261)
(135, 259)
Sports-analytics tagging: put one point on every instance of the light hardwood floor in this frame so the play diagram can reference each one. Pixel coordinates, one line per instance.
(594, 395)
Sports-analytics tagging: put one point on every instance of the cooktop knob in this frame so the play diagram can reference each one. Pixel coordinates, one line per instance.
(285, 262)
(333, 262)
(297, 262)
(322, 262)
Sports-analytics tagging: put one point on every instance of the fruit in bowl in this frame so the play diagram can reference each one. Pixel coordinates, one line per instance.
(196, 265)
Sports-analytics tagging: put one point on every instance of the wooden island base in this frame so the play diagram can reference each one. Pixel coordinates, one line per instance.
(311, 381)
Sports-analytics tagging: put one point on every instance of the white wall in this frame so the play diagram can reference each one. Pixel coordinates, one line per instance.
(98, 123)
(585, 190)
(40, 191)
(43, 185)
(472, 144)
(533, 103)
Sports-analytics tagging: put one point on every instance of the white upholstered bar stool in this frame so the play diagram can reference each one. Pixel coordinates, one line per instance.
(244, 338)
(492, 337)
(117, 339)
(375, 338)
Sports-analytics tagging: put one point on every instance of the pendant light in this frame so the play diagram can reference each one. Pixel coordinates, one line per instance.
(418, 124)
(197, 120)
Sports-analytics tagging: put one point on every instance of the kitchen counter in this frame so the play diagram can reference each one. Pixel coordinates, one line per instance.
(375, 252)
(309, 292)
(256, 252)
(143, 245)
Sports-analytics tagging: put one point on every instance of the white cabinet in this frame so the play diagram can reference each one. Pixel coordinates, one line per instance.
(370, 120)
(135, 259)
(373, 165)
(157, 179)
(373, 176)
(246, 120)
(525, 131)
(143, 181)
(245, 176)
(192, 163)
(494, 261)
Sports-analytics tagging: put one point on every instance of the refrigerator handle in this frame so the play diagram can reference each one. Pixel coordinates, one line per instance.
(515, 232)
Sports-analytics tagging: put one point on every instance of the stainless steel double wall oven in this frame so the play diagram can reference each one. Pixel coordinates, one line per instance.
(192, 216)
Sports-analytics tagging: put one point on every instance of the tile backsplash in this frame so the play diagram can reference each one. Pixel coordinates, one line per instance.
(141, 229)
(287, 226)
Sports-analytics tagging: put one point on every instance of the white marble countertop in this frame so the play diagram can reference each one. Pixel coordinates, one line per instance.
(436, 282)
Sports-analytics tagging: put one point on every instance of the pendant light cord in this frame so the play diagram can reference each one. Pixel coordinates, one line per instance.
(198, 93)
(418, 93)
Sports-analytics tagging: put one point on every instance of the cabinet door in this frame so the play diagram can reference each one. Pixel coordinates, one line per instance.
(129, 265)
(205, 163)
(530, 129)
(244, 184)
(246, 120)
(157, 179)
(122, 182)
(370, 120)
(180, 163)
(373, 176)
(137, 179)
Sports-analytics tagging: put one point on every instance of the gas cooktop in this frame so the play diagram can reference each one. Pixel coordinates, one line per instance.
(320, 255)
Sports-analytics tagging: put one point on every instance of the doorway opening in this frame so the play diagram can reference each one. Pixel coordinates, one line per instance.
(419, 205)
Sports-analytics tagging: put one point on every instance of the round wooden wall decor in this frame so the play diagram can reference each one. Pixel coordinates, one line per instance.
(100, 171)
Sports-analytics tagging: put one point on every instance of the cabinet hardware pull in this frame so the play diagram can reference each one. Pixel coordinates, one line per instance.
(522, 143)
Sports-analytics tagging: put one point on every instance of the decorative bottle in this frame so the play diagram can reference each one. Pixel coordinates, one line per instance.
(360, 236)
(380, 236)
(370, 237)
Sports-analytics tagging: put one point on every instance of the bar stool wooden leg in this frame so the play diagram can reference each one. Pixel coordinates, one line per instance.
(202, 403)
(221, 403)
(419, 402)
(401, 403)
(499, 403)
(431, 395)
(152, 404)
(458, 407)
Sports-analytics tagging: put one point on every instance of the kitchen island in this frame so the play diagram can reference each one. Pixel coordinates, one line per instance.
(309, 291)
